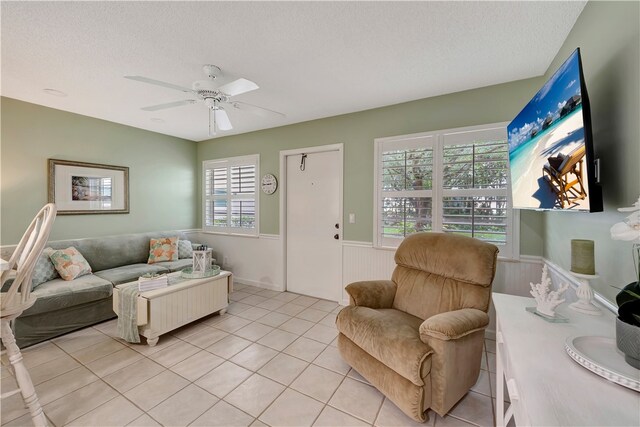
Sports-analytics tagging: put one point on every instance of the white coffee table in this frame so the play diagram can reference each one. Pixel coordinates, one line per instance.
(166, 309)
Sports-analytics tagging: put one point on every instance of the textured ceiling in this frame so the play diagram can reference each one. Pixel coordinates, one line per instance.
(310, 59)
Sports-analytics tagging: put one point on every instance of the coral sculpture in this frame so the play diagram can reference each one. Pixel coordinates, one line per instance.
(546, 299)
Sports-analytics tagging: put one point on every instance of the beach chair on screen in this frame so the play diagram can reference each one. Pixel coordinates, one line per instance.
(564, 175)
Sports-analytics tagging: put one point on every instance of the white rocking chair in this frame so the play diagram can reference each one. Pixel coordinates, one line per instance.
(18, 298)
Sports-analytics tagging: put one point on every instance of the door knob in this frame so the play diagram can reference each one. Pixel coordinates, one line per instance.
(336, 236)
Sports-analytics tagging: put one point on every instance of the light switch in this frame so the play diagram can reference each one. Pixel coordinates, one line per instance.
(352, 218)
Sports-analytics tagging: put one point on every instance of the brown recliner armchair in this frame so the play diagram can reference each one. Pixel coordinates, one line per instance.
(418, 337)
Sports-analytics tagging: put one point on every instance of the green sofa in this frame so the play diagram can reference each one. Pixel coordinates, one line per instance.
(64, 306)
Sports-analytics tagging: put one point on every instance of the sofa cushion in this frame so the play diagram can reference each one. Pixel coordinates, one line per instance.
(175, 265)
(107, 252)
(44, 269)
(185, 249)
(390, 336)
(129, 273)
(69, 263)
(58, 293)
(163, 249)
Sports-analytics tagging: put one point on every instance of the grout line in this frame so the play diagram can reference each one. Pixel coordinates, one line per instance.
(224, 359)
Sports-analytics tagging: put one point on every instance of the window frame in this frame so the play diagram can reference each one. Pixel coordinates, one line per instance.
(436, 139)
(228, 163)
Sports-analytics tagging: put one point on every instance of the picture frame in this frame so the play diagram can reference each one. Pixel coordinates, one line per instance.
(79, 188)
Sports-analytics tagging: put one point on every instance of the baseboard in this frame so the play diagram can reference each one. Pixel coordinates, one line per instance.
(257, 284)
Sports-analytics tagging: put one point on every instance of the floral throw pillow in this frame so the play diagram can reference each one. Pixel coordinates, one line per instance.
(44, 269)
(70, 263)
(184, 249)
(165, 249)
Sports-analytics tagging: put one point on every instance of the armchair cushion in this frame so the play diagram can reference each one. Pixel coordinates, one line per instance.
(455, 324)
(390, 336)
(372, 293)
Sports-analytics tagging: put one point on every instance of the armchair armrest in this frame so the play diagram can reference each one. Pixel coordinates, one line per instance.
(452, 325)
(372, 293)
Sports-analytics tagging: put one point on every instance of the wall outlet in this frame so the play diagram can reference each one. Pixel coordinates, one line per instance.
(225, 261)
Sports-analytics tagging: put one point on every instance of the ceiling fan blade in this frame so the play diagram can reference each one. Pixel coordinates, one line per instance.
(222, 119)
(237, 87)
(169, 105)
(158, 83)
(259, 111)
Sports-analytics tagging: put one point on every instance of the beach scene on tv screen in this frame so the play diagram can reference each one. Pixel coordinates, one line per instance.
(547, 154)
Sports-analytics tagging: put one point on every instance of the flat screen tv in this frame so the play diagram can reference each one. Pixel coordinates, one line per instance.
(551, 146)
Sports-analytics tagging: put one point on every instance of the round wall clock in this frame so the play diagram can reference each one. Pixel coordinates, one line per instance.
(269, 183)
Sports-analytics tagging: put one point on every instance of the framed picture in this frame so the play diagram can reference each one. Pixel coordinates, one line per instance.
(79, 188)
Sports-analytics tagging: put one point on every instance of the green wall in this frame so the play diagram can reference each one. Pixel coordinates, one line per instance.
(358, 130)
(162, 172)
(608, 36)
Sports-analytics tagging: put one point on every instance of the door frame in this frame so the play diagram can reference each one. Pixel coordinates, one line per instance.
(283, 199)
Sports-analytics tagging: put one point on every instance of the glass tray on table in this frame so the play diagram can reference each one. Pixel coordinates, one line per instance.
(188, 273)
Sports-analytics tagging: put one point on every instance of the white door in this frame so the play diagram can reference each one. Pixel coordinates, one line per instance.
(313, 221)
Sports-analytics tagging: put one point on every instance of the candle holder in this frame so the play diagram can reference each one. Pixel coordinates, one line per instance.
(584, 292)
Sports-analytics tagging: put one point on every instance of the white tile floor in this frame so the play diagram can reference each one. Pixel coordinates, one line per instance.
(271, 360)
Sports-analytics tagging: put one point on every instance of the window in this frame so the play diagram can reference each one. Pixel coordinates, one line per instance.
(405, 204)
(452, 181)
(230, 195)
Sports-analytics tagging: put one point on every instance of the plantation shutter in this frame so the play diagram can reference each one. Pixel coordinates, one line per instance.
(406, 187)
(474, 184)
(451, 181)
(230, 191)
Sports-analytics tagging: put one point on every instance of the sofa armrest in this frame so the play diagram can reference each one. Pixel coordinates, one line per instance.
(452, 325)
(372, 293)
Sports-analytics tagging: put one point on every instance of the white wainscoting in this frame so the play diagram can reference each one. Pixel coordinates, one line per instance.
(258, 261)
(361, 261)
(253, 260)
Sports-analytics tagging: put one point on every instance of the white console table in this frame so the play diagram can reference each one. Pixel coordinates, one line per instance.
(546, 387)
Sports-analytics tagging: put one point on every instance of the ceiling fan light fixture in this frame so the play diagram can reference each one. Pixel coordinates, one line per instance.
(222, 119)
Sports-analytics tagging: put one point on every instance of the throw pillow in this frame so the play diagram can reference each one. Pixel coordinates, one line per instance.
(165, 249)
(70, 263)
(44, 269)
(184, 249)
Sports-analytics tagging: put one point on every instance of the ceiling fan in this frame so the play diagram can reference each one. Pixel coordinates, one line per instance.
(216, 97)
